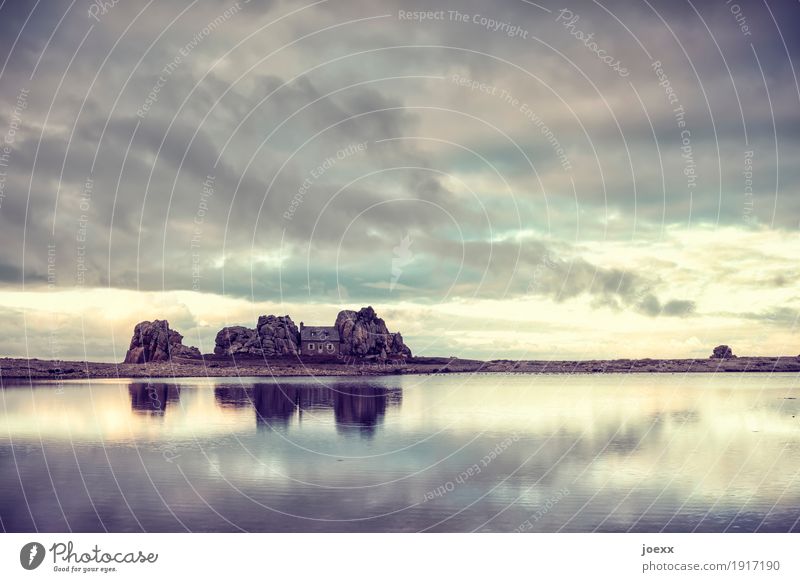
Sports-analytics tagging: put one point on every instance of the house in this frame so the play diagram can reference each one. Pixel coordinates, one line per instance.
(318, 340)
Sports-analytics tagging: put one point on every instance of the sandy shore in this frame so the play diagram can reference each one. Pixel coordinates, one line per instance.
(293, 366)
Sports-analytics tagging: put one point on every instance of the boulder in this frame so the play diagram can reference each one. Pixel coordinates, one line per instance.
(178, 350)
(363, 333)
(279, 335)
(273, 336)
(399, 347)
(237, 340)
(154, 341)
(722, 352)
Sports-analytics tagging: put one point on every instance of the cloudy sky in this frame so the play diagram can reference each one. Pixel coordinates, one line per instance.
(498, 179)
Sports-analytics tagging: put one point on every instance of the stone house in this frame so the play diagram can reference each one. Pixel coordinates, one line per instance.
(319, 340)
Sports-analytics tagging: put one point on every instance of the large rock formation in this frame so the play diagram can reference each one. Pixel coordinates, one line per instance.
(273, 336)
(154, 341)
(178, 350)
(363, 333)
(237, 340)
(279, 335)
(722, 352)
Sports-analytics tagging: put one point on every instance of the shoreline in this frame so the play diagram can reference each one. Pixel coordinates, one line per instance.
(36, 369)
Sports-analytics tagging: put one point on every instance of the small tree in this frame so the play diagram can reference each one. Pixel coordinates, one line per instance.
(722, 352)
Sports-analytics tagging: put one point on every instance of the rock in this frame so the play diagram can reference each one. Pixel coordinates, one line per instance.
(722, 352)
(363, 334)
(280, 334)
(237, 340)
(398, 347)
(154, 341)
(178, 350)
(273, 336)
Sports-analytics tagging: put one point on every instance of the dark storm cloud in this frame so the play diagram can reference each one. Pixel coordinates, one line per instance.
(143, 224)
(22, 27)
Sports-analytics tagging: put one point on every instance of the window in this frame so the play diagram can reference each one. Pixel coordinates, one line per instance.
(311, 346)
(329, 346)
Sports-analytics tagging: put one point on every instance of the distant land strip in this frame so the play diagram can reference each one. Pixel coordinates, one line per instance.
(220, 366)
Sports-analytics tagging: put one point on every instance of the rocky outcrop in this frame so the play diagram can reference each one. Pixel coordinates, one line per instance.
(154, 341)
(722, 352)
(237, 340)
(274, 336)
(399, 347)
(363, 333)
(178, 350)
(279, 335)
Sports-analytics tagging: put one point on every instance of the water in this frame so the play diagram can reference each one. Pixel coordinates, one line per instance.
(433, 453)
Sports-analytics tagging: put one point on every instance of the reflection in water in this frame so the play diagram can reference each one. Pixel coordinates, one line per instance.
(152, 398)
(362, 408)
(556, 453)
(358, 407)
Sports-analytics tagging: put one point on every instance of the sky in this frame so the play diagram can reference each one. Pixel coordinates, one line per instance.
(498, 180)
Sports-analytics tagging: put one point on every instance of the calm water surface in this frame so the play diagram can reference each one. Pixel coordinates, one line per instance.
(434, 453)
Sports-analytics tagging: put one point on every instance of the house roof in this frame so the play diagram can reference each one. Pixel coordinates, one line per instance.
(319, 333)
